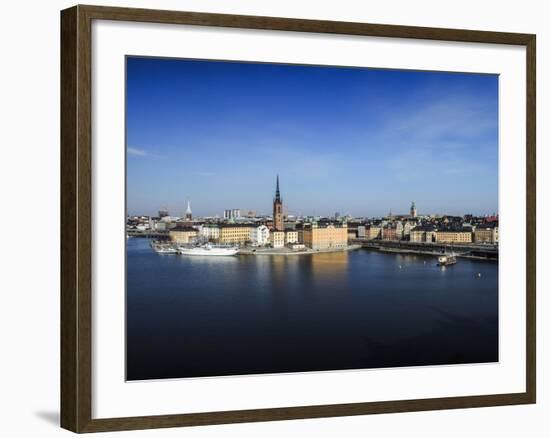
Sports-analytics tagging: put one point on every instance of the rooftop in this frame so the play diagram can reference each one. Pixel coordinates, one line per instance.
(183, 228)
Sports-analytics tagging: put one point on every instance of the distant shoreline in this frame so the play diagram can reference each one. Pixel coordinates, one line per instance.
(425, 253)
(287, 252)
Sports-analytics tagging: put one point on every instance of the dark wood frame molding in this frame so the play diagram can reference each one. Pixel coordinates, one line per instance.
(76, 239)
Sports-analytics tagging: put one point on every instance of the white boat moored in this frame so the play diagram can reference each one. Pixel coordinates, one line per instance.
(209, 250)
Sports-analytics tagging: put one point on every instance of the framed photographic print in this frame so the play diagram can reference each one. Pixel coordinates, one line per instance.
(270, 218)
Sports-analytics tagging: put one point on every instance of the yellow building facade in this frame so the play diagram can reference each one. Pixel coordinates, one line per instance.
(182, 235)
(373, 232)
(277, 239)
(418, 236)
(235, 234)
(453, 236)
(486, 235)
(422, 234)
(291, 237)
(325, 237)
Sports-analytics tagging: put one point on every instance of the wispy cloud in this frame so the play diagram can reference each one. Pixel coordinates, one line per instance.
(140, 152)
(205, 173)
(450, 137)
(424, 163)
(457, 118)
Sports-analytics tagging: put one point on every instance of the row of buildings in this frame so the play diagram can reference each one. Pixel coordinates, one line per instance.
(315, 236)
(486, 233)
(280, 230)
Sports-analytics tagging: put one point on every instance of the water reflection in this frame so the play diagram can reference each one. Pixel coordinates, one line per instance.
(207, 316)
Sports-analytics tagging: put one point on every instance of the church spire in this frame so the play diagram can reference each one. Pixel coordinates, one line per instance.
(278, 221)
(277, 192)
(188, 214)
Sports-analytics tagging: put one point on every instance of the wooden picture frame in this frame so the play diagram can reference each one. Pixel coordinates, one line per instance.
(76, 218)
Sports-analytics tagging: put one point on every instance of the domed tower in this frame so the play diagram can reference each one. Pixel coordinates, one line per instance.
(413, 210)
(278, 224)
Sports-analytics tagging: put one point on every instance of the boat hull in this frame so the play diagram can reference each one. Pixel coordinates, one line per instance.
(166, 251)
(209, 251)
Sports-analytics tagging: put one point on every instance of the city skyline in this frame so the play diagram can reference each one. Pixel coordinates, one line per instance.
(244, 212)
(355, 141)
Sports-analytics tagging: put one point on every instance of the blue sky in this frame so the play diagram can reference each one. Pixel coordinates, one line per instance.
(353, 140)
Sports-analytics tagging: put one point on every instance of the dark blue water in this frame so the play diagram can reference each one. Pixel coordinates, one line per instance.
(194, 316)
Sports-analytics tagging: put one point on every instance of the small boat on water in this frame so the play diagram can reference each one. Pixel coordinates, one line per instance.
(163, 248)
(446, 259)
(209, 250)
(166, 250)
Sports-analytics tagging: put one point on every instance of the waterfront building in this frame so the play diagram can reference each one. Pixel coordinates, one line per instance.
(389, 232)
(352, 229)
(399, 230)
(373, 232)
(259, 235)
(417, 235)
(361, 231)
(188, 214)
(452, 235)
(182, 234)
(210, 232)
(235, 233)
(325, 235)
(407, 227)
(278, 220)
(423, 233)
(486, 233)
(413, 210)
(277, 239)
(291, 237)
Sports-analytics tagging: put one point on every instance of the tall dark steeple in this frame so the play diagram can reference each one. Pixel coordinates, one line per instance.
(278, 224)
